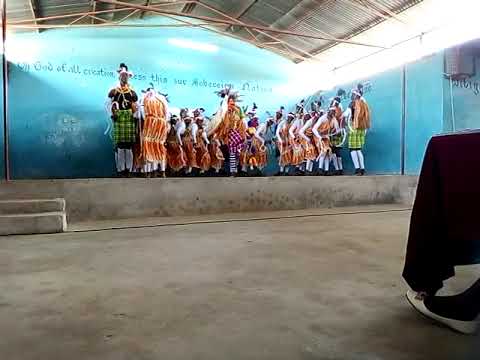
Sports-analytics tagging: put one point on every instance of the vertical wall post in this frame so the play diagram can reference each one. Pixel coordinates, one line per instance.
(6, 159)
(403, 127)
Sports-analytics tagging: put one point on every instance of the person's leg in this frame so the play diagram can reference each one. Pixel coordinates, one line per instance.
(120, 160)
(233, 163)
(326, 164)
(340, 163)
(361, 161)
(335, 162)
(129, 159)
(356, 164)
(321, 161)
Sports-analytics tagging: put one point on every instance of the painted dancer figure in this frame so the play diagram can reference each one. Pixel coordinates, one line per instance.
(124, 112)
(175, 155)
(283, 143)
(298, 151)
(202, 142)
(216, 156)
(337, 134)
(322, 130)
(154, 132)
(264, 138)
(358, 116)
(309, 141)
(188, 133)
(229, 126)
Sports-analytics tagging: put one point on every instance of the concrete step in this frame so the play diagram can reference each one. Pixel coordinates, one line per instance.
(12, 207)
(40, 223)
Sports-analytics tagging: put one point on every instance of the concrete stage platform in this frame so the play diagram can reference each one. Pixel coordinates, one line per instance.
(105, 199)
(291, 287)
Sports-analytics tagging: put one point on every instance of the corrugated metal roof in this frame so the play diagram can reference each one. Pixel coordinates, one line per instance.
(341, 19)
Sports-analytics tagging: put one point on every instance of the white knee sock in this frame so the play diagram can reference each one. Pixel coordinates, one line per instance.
(340, 163)
(120, 159)
(321, 160)
(335, 162)
(282, 169)
(309, 165)
(361, 160)
(163, 165)
(244, 168)
(327, 163)
(354, 156)
(129, 159)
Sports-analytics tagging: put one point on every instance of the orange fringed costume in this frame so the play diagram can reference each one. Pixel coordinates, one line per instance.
(216, 156)
(298, 153)
(203, 156)
(311, 150)
(175, 154)
(284, 147)
(324, 147)
(189, 149)
(233, 119)
(361, 119)
(154, 132)
(260, 154)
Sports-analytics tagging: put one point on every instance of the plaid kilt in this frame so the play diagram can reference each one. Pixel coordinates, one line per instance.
(124, 127)
(356, 138)
(235, 141)
(336, 140)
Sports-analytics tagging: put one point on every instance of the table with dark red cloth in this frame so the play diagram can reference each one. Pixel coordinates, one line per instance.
(445, 221)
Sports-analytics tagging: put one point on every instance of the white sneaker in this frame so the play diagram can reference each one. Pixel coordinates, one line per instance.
(464, 327)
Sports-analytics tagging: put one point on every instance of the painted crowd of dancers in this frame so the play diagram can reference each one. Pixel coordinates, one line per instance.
(154, 140)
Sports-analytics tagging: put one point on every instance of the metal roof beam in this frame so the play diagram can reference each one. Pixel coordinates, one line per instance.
(94, 8)
(257, 44)
(240, 23)
(147, 3)
(243, 11)
(67, 16)
(34, 8)
(227, 22)
(387, 10)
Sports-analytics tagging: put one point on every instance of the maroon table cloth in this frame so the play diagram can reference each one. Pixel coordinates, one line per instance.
(445, 221)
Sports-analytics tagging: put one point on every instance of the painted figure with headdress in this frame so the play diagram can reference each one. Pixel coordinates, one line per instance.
(337, 134)
(123, 107)
(154, 133)
(188, 133)
(229, 127)
(309, 141)
(175, 154)
(284, 144)
(298, 151)
(322, 130)
(263, 138)
(358, 116)
(202, 142)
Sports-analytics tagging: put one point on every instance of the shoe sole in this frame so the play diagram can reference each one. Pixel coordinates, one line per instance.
(463, 327)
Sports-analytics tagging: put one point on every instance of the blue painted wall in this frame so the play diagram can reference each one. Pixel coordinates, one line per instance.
(424, 108)
(57, 89)
(466, 100)
(58, 85)
(383, 94)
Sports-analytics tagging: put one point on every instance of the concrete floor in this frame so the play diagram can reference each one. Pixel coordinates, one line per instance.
(312, 287)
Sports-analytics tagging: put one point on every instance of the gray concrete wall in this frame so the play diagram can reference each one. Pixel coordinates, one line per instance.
(96, 199)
